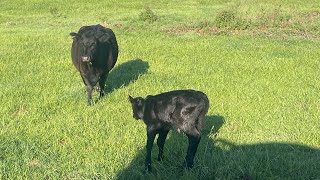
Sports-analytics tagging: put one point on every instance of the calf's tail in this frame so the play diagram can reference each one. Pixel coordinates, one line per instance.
(204, 110)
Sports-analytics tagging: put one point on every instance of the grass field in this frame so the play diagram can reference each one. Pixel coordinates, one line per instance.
(258, 62)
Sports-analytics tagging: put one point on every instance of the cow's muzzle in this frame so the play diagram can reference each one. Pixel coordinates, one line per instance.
(85, 58)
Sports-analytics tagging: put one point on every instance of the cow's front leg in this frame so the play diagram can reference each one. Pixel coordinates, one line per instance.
(150, 138)
(89, 89)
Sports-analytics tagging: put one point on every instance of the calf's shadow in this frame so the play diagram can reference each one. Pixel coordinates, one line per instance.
(174, 153)
(218, 158)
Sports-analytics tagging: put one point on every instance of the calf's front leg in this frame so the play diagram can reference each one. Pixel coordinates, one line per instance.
(150, 139)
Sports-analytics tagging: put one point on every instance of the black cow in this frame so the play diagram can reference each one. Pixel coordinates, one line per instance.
(181, 109)
(94, 53)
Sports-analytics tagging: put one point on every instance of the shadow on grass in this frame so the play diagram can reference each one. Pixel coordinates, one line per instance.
(125, 73)
(220, 159)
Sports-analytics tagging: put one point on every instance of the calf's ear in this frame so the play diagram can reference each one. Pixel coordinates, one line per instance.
(74, 34)
(130, 99)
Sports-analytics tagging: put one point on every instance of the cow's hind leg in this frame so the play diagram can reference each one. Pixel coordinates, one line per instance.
(194, 139)
(160, 141)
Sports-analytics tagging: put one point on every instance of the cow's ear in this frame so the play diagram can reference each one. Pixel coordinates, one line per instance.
(74, 34)
(130, 99)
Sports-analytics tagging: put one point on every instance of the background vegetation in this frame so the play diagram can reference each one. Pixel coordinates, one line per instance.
(258, 62)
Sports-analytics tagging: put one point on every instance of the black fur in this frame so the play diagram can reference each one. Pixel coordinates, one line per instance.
(181, 109)
(94, 53)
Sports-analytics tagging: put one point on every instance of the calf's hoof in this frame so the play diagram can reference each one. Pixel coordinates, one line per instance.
(148, 168)
(188, 165)
(160, 158)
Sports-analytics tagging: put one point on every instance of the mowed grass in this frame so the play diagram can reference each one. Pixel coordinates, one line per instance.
(261, 77)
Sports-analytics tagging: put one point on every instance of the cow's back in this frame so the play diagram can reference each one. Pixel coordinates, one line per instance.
(108, 49)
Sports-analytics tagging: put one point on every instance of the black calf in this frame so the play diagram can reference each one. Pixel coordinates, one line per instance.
(181, 109)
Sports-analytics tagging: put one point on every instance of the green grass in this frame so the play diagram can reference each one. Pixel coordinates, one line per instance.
(260, 70)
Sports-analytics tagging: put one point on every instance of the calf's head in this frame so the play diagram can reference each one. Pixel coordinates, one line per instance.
(88, 43)
(137, 107)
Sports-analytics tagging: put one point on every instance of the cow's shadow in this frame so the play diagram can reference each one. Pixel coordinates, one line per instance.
(125, 73)
(221, 159)
(174, 152)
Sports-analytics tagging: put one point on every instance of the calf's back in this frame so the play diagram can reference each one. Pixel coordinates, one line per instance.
(180, 109)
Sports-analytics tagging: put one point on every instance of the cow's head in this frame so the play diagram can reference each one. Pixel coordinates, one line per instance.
(137, 107)
(89, 45)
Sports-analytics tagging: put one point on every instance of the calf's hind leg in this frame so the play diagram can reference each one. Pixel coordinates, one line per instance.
(160, 141)
(194, 136)
(194, 139)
